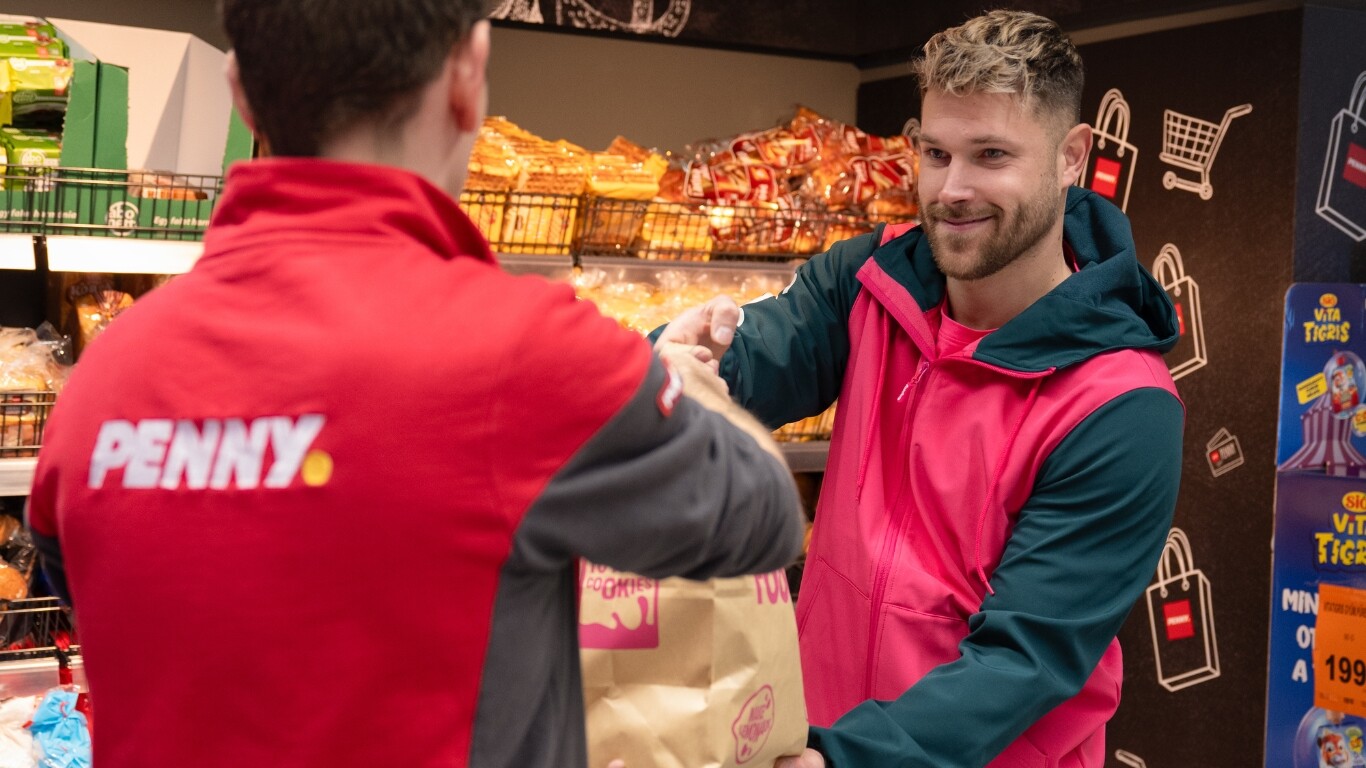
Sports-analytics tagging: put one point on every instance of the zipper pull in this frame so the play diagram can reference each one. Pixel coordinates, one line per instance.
(901, 397)
(920, 373)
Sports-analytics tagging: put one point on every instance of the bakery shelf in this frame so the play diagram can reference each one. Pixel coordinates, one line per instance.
(16, 252)
(16, 476)
(72, 253)
(806, 457)
(35, 677)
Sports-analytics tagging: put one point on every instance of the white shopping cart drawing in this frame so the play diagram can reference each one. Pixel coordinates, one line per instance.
(1189, 353)
(582, 14)
(1130, 759)
(1342, 190)
(1108, 169)
(1191, 143)
(525, 11)
(1181, 614)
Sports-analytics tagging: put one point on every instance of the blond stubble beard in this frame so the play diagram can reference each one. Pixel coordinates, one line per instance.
(1007, 241)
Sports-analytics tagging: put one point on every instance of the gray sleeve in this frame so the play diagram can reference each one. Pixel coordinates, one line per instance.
(683, 494)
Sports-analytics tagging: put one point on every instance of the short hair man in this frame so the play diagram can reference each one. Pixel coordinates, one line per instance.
(1007, 449)
(319, 501)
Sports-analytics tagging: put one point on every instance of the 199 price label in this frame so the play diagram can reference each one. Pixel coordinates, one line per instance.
(1347, 670)
(1339, 637)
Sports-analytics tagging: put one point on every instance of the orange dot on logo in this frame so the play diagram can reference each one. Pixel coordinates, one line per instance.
(317, 469)
(1328, 300)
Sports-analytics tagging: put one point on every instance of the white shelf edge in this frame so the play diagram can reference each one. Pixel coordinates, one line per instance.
(806, 457)
(16, 252)
(16, 476)
(67, 253)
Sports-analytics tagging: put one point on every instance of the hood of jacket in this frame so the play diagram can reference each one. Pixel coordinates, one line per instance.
(1111, 302)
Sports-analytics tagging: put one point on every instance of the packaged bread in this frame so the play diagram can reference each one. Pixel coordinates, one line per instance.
(675, 226)
(89, 303)
(543, 208)
(621, 182)
(28, 373)
(13, 585)
(493, 172)
(850, 182)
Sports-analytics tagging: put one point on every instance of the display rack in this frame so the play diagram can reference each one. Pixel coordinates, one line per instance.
(126, 222)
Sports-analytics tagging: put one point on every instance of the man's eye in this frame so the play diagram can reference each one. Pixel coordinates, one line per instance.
(993, 154)
(935, 154)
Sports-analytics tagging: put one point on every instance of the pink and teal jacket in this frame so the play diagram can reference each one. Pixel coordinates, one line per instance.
(988, 517)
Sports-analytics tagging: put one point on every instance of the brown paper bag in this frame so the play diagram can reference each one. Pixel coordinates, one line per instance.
(689, 674)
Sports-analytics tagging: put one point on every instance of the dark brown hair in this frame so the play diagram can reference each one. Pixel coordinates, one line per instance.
(313, 68)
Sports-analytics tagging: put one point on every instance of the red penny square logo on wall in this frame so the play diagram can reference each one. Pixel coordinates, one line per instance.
(1105, 179)
(1180, 624)
(1355, 170)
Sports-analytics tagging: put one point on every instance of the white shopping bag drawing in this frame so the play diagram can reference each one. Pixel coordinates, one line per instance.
(1342, 190)
(1188, 355)
(1181, 613)
(1110, 164)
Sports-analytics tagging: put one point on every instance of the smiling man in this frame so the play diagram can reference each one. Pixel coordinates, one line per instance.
(1007, 450)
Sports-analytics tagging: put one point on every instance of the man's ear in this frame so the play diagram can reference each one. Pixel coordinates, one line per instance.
(469, 78)
(1076, 145)
(239, 98)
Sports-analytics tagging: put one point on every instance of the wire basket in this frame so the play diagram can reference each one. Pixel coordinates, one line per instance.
(135, 204)
(525, 222)
(22, 198)
(701, 232)
(35, 628)
(23, 416)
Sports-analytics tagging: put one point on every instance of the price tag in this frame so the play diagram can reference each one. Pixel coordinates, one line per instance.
(1340, 650)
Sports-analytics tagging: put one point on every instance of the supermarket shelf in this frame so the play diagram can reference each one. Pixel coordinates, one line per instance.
(34, 677)
(73, 253)
(16, 476)
(16, 252)
(806, 457)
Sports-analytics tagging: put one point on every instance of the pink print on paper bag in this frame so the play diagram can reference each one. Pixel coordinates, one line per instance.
(618, 610)
(753, 725)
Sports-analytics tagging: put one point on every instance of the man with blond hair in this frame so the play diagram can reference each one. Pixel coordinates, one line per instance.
(1007, 449)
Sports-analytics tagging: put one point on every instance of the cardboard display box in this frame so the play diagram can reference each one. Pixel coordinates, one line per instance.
(148, 133)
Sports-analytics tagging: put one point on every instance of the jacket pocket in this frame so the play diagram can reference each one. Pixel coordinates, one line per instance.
(833, 629)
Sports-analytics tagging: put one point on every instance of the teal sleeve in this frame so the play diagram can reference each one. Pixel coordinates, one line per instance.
(1082, 551)
(788, 358)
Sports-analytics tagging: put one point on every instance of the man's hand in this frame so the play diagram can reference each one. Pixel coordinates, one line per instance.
(808, 759)
(711, 325)
(697, 367)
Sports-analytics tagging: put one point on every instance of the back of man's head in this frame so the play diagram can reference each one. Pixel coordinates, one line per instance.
(312, 69)
(1007, 52)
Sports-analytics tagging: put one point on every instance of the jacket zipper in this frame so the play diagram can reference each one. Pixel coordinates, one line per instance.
(893, 532)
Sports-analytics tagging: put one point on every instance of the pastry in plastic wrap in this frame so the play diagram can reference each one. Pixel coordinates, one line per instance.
(674, 226)
(544, 207)
(29, 377)
(13, 585)
(493, 172)
(95, 311)
(621, 183)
